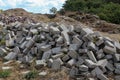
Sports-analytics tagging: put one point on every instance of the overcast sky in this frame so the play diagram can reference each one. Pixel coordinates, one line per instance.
(36, 6)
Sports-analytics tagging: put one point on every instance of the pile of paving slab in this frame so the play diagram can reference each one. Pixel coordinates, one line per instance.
(80, 51)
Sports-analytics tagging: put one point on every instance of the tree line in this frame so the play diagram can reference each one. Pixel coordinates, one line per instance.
(108, 10)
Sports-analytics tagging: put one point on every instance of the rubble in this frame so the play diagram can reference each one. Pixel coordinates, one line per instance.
(81, 50)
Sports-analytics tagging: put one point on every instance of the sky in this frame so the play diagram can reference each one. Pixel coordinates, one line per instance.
(35, 6)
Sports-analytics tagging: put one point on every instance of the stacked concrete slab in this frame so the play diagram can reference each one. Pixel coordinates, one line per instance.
(82, 51)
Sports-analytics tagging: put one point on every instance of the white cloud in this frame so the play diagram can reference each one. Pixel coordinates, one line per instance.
(27, 4)
(2, 3)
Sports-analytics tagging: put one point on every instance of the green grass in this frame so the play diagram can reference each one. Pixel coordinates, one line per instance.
(5, 73)
(31, 75)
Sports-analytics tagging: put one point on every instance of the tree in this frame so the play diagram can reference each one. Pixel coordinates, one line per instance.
(53, 10)
(108, 10)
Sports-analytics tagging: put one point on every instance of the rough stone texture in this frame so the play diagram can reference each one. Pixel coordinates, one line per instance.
(83, 52)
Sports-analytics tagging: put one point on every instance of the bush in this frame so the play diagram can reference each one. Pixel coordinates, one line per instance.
(4, 74)
(105, 9)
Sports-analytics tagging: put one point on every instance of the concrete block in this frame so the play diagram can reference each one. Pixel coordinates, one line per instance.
(10, 56)
(117, 45)
(117, 57)
(54, 30)
(108, 43)
(57, 55)
(117, 71)
(97, 71)
(73, 72)
(41, 63)
(83, 68)
(108, 57)
(73, 47)
(92, 46)
(30, 43)
(109, 50)
(102, 77)
(76, 40)
(92, 56)
(56, 65)
(79, 62)
(45, 47)
(81, 51)
(50, 62)
(99, 42)
(73, 54)
(2, 52)
(100, 54)
(17, 50)
(60, 40)
(110, 66)
(47, 54)
(85, 31)
(90, 63)
(66, 37)
(56, 50)
(34, 31)
(102, 63)
(71, 62)
(66, 58)
(117, 65)
(23, 44)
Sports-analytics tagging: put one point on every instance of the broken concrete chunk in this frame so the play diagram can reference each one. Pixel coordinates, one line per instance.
(109, 50)
(99, 42)
(117, 57)
(76, 40)
(40, 63)
(66, 37)
(30, 43)
(117, 45)
(45, 47)
(10, 56)
(83, 51)
(117, 65)
(73, 72)
(110, 66)
(73, 54)
(102, 77)
(66, 58)
(71, 62)
(92, 46)
(54, 30)
(97, 71)
(2, 52)
(46, 55)
(17, 50)
(83, 68)
(34, 31)
(92, 56)
(73, 47)
(117, 71)
(90, 63)
(58, 55)
(56, 65)
(102, 63)
(85, 31)
(56, 50)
